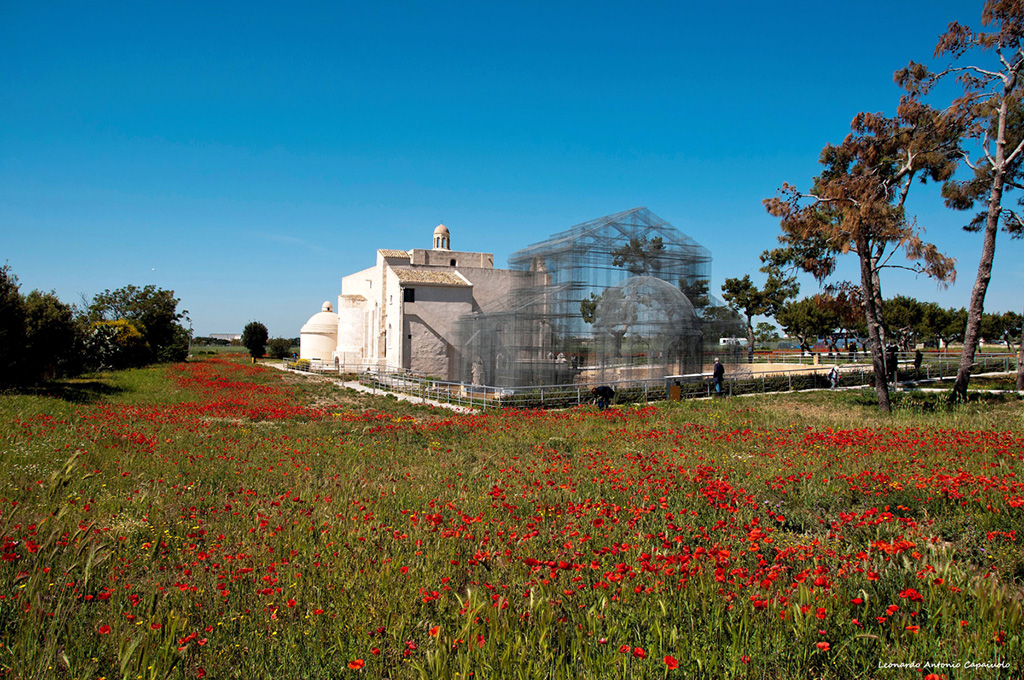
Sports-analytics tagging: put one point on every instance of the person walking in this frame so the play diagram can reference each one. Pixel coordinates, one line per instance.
(716, 377)
(833, 377)
(891, 359)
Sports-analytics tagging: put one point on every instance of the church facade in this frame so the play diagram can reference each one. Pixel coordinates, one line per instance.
(401, 312)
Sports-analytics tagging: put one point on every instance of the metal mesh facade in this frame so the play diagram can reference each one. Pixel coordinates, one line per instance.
(606, 300)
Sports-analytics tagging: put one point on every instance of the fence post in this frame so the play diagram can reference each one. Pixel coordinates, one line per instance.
(789, 379)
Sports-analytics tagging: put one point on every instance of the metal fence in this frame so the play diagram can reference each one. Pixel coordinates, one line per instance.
(937, 363)
(740, 379)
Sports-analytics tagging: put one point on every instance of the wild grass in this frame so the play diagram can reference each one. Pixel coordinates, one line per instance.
(222, 520)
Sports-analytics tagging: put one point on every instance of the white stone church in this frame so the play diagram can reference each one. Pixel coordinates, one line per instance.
(401, 312)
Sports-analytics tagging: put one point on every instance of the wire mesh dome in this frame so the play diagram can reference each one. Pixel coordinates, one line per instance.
(645, 321)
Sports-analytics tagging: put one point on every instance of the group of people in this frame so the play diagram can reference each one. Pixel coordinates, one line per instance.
(603, 394)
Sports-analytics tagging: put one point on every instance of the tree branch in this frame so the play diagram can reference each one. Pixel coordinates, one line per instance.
(1016, 152)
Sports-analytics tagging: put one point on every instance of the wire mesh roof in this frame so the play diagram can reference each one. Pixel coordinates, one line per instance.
(607, 233)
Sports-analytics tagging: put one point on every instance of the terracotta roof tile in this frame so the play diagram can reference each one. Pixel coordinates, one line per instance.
(436, 276)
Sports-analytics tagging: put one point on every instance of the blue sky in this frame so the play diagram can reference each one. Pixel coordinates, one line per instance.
(249, 155)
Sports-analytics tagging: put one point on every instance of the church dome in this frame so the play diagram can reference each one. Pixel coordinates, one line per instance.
(442, 238)
(323, 322)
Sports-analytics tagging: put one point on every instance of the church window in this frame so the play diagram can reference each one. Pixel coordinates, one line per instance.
(409, 295)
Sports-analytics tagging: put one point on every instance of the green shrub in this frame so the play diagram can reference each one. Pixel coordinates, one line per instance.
(279, 348)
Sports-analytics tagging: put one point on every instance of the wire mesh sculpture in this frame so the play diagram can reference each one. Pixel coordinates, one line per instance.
(616, 298)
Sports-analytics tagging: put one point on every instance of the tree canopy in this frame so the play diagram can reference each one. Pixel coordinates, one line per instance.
(254, 339)
(807, 319)
(857, 205)
(749, 301)
(53, 345)
(992, 113)
(12, 327)
(640, 255)
(154, 313)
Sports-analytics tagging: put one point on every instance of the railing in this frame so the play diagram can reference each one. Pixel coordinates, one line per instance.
(739, 380)
(934, 363)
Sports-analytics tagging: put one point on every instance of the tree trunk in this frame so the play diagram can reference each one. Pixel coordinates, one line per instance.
(750, 340)
(988, 249)
(988, 252)
(1020, 363)
(876, 288)
(871, 317)
(883, 336)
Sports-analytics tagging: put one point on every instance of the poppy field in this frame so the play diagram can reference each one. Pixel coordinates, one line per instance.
(222, 520)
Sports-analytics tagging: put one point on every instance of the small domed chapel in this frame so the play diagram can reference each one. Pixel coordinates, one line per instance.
(616, 298)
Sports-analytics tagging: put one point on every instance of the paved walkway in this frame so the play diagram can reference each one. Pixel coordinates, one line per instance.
(359, 387)
(907, 386)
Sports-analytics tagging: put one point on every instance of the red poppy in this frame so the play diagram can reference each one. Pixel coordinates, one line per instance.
(639, 653)
(104, 629)
(823, 646)
(671, 662)
(914, 629)
(434, 631)
(356, 664)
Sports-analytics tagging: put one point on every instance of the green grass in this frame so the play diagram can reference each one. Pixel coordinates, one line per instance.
(235, 521)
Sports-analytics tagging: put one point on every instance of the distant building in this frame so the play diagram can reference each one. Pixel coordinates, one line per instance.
(401, 312)
(230, 337)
